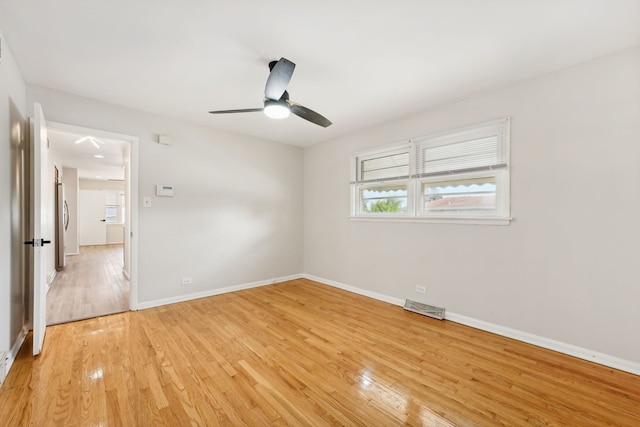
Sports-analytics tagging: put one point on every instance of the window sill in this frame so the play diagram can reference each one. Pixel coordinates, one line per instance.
(435, 220)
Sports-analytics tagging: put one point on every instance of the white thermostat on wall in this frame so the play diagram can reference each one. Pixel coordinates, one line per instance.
(164, 190)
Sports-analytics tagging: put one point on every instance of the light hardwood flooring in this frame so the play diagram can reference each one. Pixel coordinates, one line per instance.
(91, 284)
(302, 353)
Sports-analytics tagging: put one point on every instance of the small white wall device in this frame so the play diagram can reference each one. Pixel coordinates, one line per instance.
(164, 190)
(165, 140)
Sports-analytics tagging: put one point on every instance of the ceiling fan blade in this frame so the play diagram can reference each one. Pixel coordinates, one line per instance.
(245, 110)
(309, 115)
(279, 78)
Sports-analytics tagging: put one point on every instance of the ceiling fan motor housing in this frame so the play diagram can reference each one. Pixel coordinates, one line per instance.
(276, 109)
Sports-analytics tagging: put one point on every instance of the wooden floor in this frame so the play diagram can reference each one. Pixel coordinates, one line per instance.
(302, 353)
(91, 284)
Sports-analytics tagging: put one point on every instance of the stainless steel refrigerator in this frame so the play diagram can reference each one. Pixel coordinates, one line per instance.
(62, 221)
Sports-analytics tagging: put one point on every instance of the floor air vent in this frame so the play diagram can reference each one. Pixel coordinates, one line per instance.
(427, 310)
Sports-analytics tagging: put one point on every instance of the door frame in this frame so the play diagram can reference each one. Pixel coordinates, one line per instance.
(131, 182)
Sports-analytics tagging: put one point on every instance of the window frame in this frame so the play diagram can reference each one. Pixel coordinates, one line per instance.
(358, 184)
(415, 181)
(114, 200)
(111, 219)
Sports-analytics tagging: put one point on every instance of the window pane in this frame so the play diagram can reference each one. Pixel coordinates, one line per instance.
(111, 214)
(462, 195)
(384, 199)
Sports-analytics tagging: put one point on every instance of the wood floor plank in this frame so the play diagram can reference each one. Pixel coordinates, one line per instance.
(91, 284)
(302, 353)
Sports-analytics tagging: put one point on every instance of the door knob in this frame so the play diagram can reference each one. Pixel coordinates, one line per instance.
(37, 242)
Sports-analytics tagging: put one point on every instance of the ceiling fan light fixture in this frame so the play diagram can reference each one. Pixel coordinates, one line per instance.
(276, 98)
(276, 109)
(95, 141)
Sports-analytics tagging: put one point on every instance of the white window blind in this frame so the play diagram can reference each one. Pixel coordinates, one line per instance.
(385, 165)
(111, 198)
(483, 147)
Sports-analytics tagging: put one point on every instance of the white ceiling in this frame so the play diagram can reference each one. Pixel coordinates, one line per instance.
(359, 62)
(81, 155)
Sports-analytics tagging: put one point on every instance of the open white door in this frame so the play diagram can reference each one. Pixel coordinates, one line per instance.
(38, 182)
(92, 226)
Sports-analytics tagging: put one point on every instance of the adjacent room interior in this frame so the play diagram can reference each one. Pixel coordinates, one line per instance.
(476, 163)
(91, 270)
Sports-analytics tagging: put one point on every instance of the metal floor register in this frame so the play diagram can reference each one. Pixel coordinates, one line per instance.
(427, 310)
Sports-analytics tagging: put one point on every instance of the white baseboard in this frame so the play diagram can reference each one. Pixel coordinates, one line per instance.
(13, 353)
(370, 294)
(568, 349)
(212, 292)
(560, 347)
(4, 358)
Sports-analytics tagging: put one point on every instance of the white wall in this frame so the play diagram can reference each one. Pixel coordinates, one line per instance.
(12, 90)
(566, 269)
(236, 216)
(99, 185)
(92, 206)
(115, 233)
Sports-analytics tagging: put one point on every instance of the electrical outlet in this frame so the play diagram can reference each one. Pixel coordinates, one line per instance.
(421, 289)
(187, 280)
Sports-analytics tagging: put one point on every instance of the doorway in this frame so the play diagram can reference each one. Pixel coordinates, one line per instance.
(94, 275)
(91, 284)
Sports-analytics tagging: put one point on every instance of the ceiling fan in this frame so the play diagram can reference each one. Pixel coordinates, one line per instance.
(276, 98)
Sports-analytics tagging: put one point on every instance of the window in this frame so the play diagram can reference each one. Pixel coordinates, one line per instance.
(111, 214)
(459, 175)
(382, 183)
(114, 210)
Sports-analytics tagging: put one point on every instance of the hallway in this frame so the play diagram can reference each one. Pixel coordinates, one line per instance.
(92, 284)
